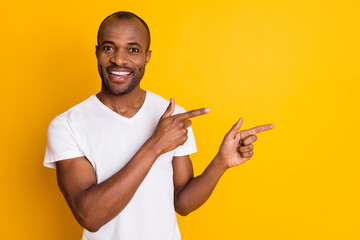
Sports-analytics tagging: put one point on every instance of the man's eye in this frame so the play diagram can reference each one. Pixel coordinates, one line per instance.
(133, 50)
(107, 48)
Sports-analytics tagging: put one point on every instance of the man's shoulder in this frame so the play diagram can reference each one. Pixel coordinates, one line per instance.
(82, 106)
(78, 109)
(159, 101)
(155, 98)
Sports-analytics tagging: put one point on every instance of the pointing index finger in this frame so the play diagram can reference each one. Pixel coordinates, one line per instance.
(258, 129)
(193, 113)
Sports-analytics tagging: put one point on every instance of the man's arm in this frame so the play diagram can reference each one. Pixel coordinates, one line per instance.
(189, 192)
(94, 204)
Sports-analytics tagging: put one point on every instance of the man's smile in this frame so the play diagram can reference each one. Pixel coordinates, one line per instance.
(119, 74)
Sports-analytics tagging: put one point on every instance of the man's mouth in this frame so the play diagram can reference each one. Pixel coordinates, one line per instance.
(120, 73)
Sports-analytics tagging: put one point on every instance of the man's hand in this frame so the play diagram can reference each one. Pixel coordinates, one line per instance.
(171, 131)
(237, 147)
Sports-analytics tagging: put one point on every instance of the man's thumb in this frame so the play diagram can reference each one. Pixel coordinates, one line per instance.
(233, 131)
(170, 109)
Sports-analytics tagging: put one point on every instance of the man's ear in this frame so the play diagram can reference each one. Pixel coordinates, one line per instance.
(96, 51)
(147, 56)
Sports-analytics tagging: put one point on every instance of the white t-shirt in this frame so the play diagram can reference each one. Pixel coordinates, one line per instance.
(109, 140)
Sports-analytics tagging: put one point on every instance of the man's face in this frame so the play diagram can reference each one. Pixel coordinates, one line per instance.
(122, 55)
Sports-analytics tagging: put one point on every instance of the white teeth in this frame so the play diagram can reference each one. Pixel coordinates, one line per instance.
(120, 73)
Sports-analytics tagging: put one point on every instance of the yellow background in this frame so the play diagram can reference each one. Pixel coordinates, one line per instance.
(291, 63)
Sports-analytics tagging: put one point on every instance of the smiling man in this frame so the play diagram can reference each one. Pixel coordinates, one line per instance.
(122, 156)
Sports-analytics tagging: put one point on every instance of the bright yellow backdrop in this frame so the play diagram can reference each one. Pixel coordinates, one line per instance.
(291, 63)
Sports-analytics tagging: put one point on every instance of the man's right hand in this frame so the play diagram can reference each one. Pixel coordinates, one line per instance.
(171, 131)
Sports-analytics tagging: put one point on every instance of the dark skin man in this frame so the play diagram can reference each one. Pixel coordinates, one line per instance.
(122, 55)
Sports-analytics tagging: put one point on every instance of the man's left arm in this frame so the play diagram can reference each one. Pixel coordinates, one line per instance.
(189, 192)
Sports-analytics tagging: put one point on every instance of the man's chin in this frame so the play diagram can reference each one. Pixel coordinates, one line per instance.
(116, 91)
(119, 89)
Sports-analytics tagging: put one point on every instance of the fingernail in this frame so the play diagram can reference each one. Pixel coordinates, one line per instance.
(207, 110)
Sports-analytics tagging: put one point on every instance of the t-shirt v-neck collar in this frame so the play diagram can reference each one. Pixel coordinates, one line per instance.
(137, 114)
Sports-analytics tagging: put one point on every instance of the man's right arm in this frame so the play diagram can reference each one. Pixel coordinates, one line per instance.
(92, 204)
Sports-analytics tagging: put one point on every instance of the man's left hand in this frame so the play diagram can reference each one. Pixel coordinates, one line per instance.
(237, 147)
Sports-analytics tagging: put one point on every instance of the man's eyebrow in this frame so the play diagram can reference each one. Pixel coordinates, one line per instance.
(134, 44)
(107, 42)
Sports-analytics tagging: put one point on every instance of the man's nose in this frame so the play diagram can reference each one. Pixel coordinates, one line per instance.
(119, 58)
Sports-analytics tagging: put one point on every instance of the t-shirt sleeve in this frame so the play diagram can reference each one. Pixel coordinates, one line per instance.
(61, 143)
(189, 146)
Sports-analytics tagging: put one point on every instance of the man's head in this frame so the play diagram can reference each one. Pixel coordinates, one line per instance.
(128, 16)
(122, 52)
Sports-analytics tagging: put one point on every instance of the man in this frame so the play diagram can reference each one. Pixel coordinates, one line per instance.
(122, 156)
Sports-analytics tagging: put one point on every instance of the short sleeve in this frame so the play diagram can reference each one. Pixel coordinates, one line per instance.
(189, 146)
(61, 143)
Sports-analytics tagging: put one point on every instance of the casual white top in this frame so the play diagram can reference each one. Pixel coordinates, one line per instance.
(109, 140)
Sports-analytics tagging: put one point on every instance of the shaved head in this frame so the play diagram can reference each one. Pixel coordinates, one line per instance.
(126, 16)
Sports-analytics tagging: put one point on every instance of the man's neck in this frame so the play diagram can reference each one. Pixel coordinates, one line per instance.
(126, 105)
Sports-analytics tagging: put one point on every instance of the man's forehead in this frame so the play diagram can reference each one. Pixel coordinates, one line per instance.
(130, 28)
